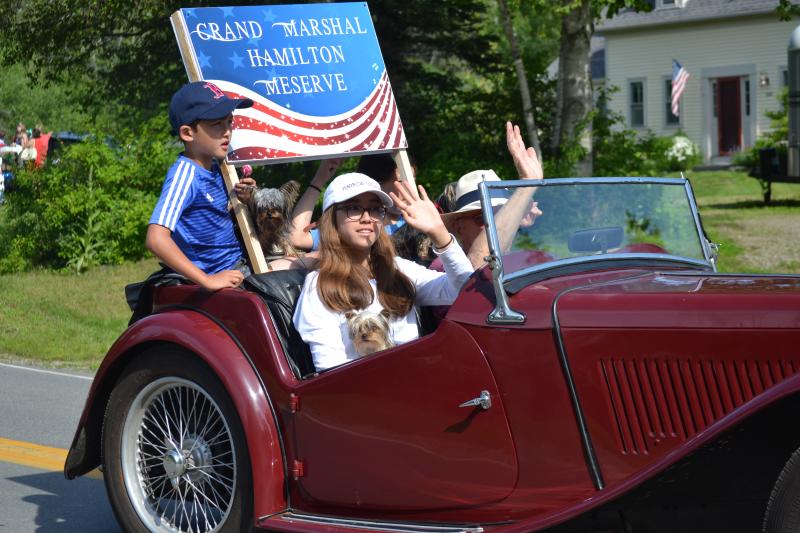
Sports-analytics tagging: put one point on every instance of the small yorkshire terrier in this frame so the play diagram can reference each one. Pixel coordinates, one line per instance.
(271, 210)
(413, 245)
(369, 331)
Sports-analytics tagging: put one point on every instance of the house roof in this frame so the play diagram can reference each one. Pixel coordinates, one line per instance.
(692, 11)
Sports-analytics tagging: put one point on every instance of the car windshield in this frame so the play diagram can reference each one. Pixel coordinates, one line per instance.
(572, 219)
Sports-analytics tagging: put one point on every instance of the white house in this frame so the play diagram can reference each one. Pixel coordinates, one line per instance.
(735, 52)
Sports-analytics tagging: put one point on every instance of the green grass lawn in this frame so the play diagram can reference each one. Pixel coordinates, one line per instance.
(64, 320)
(754, 237)
(61, 319)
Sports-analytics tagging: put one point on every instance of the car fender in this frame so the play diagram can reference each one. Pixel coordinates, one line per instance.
(211, 342)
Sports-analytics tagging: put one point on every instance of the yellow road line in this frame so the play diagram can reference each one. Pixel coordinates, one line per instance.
(37, 456)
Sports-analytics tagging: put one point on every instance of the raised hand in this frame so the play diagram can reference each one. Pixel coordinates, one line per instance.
(420, 213)
(530, 217)
(326, 170)
(525, 159)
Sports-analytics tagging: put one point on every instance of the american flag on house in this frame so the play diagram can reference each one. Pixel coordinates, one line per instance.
(679, 78)
(314, 71)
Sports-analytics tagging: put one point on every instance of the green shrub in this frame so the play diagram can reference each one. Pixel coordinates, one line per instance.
(92, 207)
(619, 150)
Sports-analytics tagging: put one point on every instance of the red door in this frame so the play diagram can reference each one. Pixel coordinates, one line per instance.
(386, 431)
(729, 116)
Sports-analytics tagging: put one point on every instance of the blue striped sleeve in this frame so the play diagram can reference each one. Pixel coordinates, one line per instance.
(176, 194)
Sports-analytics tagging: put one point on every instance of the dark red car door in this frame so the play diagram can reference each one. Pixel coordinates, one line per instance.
(386, 431)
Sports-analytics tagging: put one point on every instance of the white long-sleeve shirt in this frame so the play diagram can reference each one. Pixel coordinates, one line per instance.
(325, 330)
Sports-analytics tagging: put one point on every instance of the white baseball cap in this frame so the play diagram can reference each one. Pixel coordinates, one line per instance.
(351, 185)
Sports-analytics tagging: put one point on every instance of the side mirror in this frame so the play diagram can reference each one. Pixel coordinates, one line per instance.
(596, 239)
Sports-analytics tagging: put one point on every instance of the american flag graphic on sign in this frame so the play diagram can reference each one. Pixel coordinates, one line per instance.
(314, 71)
(679, 78)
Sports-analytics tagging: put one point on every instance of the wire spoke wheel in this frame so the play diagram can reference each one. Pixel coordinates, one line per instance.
(174, 451)
(179, 462)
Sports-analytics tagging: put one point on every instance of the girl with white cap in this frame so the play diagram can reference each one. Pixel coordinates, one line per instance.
(358, 269)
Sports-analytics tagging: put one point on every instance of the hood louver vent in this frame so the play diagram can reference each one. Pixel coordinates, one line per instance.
(661, 399)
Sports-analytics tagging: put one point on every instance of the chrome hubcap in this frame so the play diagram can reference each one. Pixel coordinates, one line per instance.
(174, 466)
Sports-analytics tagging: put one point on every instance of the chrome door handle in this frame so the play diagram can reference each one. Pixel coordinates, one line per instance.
(484, 401)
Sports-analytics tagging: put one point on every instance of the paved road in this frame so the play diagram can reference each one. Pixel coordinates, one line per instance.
(42, 407)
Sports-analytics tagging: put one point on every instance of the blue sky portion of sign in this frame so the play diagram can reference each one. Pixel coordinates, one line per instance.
(316, 59)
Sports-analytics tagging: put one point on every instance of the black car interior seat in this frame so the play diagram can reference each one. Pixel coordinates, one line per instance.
(280, 290)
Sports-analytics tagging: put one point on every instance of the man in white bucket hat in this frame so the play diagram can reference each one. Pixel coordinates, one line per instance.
(466, 220)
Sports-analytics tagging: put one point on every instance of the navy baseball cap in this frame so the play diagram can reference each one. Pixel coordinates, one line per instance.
(201, 100)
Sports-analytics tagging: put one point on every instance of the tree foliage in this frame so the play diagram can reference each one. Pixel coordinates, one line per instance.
(125, 50)
(571, 140)
(786, 10)
(436, 58)
(57, 107)
(452, 81)
(89, 208)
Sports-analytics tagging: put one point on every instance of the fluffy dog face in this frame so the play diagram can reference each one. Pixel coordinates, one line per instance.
(369, 331)
(271, 210)
(413, 245)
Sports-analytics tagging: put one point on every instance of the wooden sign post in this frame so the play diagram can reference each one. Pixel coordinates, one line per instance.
(406, 170)
(317, 79)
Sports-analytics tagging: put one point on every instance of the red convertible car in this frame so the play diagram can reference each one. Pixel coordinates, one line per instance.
(598, 375)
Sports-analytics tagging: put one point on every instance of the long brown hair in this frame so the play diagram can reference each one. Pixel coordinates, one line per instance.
(344, 286)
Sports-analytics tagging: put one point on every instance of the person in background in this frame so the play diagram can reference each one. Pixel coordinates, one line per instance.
(41, 141)
(27, 157)
(446, 203)
(383, 169)
(21, 135)
(303, 234)
(466, 220)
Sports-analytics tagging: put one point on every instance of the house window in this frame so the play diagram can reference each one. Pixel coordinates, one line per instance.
(669, 118)
(784, 77)
(636, 99)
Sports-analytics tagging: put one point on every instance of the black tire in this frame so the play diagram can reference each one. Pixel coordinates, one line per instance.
(174, 453)
(783, 509)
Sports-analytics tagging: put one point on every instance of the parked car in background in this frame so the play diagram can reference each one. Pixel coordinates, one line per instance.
(600, 375)
(60, 140)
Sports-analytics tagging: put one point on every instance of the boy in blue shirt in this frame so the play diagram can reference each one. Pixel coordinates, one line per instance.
(191, 230)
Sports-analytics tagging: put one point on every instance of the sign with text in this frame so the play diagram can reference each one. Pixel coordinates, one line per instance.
(314, 71)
